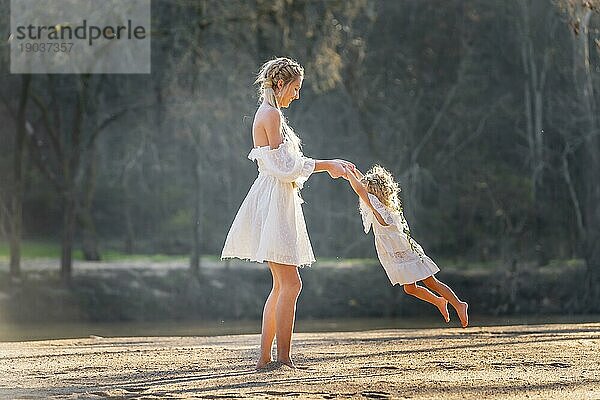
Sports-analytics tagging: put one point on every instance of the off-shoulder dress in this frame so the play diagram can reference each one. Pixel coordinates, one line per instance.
(269, 225)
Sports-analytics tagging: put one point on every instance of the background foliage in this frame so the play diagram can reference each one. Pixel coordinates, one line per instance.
(475, 106)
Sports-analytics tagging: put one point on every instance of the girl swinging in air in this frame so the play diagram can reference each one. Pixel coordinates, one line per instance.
(401, 256)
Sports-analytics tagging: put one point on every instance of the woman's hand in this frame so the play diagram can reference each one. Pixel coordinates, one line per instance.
(347, 164)
(347, 167)
(336, 169)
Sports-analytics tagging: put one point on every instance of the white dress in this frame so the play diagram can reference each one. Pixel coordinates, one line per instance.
(269, 226)
(402, 263)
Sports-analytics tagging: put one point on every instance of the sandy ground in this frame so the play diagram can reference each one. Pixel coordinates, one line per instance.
(509, 362)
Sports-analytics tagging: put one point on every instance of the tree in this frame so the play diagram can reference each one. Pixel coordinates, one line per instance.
(62, 144)
(580, 14)
(536, 58)
(12, 192)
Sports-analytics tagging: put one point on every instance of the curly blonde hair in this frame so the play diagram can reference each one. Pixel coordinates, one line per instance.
(381, 183)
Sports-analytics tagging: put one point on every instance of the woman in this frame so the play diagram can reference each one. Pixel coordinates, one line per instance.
(269, 226)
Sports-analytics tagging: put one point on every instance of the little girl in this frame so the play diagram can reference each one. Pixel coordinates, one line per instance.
(402, 258)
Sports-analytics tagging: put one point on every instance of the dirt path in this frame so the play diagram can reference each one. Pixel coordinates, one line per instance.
(516, 362)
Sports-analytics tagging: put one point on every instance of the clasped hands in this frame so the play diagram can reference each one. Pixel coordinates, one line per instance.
(339, 168)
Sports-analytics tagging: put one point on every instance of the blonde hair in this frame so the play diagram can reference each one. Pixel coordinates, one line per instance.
(270, 73)
(380, 182)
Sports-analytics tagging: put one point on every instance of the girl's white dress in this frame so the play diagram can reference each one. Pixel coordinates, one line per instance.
(269, 226)
(402, 263)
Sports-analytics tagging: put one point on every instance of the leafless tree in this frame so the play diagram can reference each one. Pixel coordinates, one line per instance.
(587, 135)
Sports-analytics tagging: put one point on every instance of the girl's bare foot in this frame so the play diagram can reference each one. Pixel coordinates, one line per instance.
(442, 305)
(462, 311)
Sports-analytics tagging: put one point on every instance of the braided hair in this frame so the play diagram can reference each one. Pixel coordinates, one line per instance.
(287, 70)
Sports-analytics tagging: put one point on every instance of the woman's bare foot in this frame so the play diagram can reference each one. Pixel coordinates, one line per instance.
(462, 311)
(262, 363)
(442, 305)
(287, 362)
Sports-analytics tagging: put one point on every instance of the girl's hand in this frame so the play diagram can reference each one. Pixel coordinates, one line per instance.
(354, 175)
(347, 172)
(359, 175)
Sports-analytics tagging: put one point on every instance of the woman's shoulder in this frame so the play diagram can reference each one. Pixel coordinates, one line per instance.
(267, 121)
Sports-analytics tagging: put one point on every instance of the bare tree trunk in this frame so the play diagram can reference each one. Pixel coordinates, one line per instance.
(86, 220)
(580, 14)
(572, 193)
(130, 232)
(16, 195)
(534, 84)
(591, 167)
(71, 165)
(198, 200)
(67, 236)
(129, 228)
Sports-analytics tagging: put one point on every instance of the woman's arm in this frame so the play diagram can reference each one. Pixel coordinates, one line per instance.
(361, 191)
(335, 168)
(329, 166)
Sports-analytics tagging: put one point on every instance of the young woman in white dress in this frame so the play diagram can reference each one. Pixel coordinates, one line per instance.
(269, 225)
(400, 255)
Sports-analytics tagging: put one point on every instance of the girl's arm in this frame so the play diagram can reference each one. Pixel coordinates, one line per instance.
(361, 191)
(359, 175)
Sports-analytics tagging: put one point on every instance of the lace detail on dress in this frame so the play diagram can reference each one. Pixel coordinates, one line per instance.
(391, 218)
(367, 215)
(381, 209)
(401, 255)
(283, 163)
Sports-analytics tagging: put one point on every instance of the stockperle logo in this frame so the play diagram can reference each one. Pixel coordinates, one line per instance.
(80, 36)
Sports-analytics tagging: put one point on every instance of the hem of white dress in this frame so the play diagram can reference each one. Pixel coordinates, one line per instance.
(412, 281)
(252, 259)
